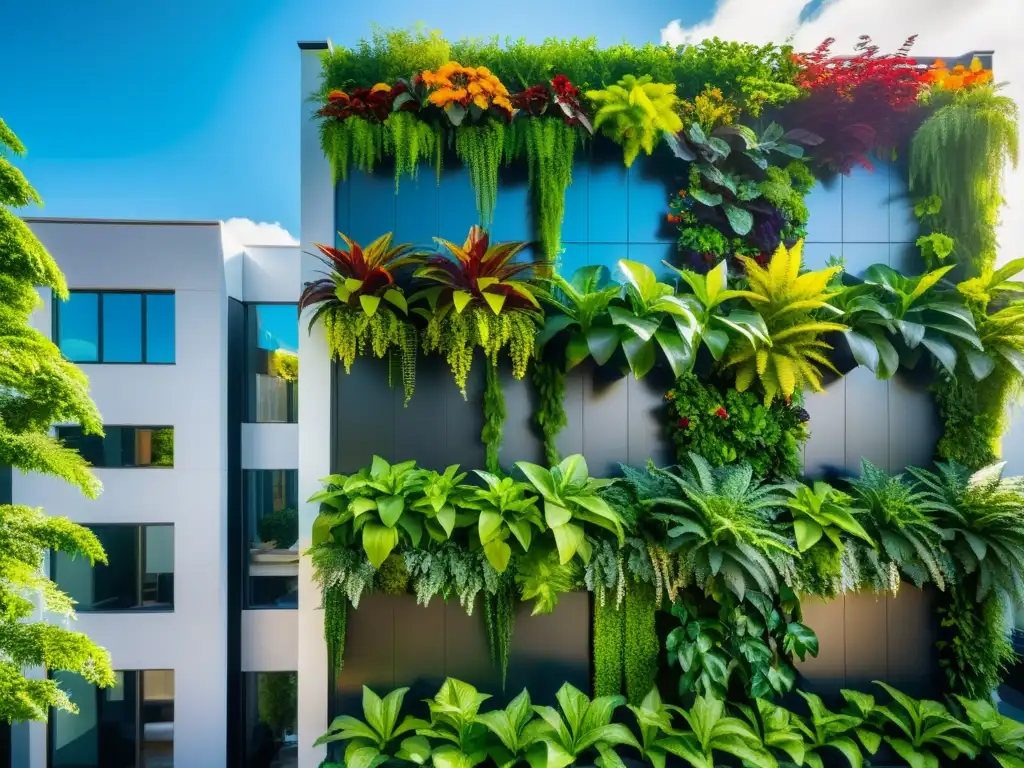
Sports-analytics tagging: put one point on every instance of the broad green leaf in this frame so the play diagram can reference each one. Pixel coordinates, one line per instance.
(568, 539)
(450, 756)
(373, 711)
(489, 525)
(644, 327)
(323, 524)
(808, 533)
(639, 355)
(740, 219)
(555, 514)
(415, 750)
(602, 341)
(640, 277)
(397, 298)
(365, 757)
(391, 707)
(378, 541)
(361, 504)
(576, 350)
(498, 554)
(717, 341)
(369, 304)
(678, 353)
(540, 478)
(352, 284)
(864, 350)
(495, 301)
(390, 509)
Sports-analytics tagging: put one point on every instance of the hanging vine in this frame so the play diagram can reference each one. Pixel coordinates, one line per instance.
(335, 605)
(609, 632)
(640, 640)
(500, 620)
(549, 145)
(480, 148)
(549, 383)
(353, 143)
(411, 141)
(494, 420)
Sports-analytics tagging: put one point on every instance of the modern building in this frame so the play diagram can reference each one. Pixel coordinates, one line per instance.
(190, 344)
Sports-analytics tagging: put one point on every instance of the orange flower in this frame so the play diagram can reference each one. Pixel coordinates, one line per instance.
(337, 95)
(453, 83)
(940, 76)
(381, 87)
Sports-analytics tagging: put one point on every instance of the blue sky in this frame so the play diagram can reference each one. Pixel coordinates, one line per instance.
(189, 110)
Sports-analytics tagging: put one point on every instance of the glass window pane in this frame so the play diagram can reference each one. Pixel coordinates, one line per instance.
(139, 574)
(271, 709)
(160, 328)
(157, 708)
(271, 501)
(122, 328)
(78, 327)
(74, 739)
(119, 721)
(91, 447)
(273, 362)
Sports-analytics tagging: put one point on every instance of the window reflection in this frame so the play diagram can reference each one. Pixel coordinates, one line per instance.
(116, 327)
(271, 708)
(139, 574)
(272, 532)
(130, 725)
(122, 446)
(273, 361)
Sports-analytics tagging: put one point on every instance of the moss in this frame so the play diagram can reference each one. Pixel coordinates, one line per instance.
(609, 630)
(640, 640)
(392, 577)
(549, 384)
(494, 420)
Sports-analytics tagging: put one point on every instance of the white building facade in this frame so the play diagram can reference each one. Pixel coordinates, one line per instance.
(190, 345)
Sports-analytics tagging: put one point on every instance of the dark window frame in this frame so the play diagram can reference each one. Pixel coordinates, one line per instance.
(152, 427)
(100, 293)
(140, 564)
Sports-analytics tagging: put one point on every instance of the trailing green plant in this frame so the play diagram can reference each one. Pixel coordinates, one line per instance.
(792, 357)
(357, 302)
(451, 571)
(549, 413)
(640, 639)
(494, 419)
(500, 621)
(411, 141)
(549, 144)
(582, 725)
(372, 502)
(480, 148)
(959, 154)
(583, 316)
(334, 603)
(373, 740)
(904, 523)
(722, 522)
(636, 113)
(724, 426)
(823, 518)
(507, 511)
(608, 648)
(571, 502)
(480, 300)
(351, 143)
(935, 246)
(922, 732)
(738, 649)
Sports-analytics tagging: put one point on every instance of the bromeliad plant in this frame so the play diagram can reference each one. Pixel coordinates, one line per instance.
(480, 299)
(362, 307)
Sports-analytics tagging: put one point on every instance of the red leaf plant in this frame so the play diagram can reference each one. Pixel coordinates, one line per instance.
(860, 104)
(560, 93)
(374, 104)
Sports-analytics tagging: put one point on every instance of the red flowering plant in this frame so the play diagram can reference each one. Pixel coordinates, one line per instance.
(860, 104)
(558, 97)
(374, 104)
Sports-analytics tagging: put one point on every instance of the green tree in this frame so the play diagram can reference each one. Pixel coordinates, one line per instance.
(38, 388)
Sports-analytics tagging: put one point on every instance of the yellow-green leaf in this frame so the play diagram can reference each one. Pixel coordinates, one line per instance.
(369, 304)
(461, 299)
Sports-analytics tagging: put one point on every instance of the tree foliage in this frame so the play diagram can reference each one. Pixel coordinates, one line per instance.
(38, 388)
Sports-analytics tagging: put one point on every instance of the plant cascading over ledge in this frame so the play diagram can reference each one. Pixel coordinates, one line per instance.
(362, 307)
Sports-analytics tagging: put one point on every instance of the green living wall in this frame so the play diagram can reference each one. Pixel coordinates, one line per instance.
(751, 301)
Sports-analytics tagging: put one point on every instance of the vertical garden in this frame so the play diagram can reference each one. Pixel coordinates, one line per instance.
(578, 335)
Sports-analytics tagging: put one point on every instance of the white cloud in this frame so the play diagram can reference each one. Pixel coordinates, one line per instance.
(943, 27)
(249, 232)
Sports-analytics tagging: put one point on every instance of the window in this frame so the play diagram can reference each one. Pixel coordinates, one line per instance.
(130, 724)
(123, 446)
(271, 536)
(139, 575)
(270, 714)
(116, 327)
(273, 363)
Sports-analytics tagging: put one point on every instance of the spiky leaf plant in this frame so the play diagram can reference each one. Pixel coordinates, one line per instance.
(905, 523)
(360, 304)
(959, 154)
(792, 305)
(722, 525)
(636, 113)
(480, 299)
